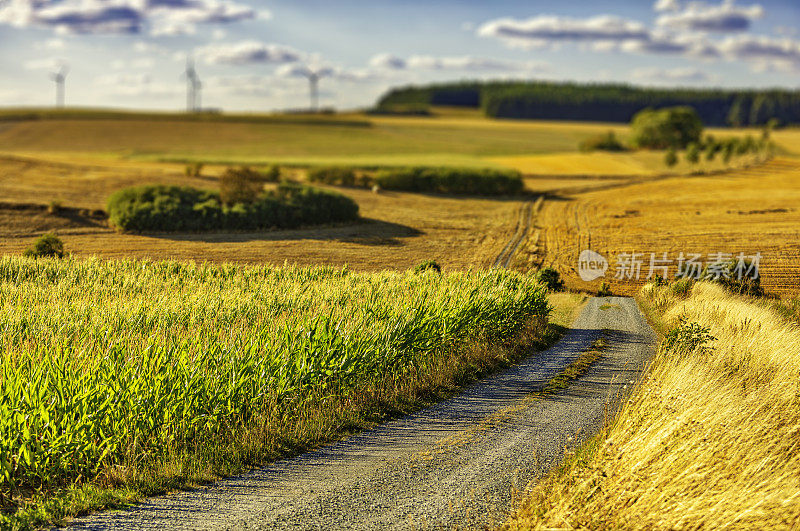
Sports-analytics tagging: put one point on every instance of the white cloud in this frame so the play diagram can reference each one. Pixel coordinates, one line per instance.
(465, 63)
(469, 63)
(353, 75)
(695, 46)
(387, 61)
(759, 47)
(671, 76)
(553, 29)
(667, 5)
(724, 18)
(765, 54)
(247, 52)
(161, 17)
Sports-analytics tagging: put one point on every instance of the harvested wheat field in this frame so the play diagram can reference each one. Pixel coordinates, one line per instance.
(398, 230)
(746, 211)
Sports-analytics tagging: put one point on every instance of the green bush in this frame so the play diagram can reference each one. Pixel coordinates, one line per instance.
(551, 278)
(681, 287)
(693, 153)
(334, 175)
(194, 169)
(428, 265)
(46, 246)
(602, 142)
(727, 276)
(464, 181)
(173, 208)
(712, 149)
(673, 127)
(605, 290)
(670, 158)
(688, 338)
(240, 185)
(272, 175)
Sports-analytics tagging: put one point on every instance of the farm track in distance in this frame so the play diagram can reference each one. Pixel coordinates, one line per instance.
(521, 231)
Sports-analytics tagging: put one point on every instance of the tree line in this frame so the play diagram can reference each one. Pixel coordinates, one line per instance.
(598, 102)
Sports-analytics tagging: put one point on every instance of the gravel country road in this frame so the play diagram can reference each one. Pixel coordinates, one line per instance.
(455, 464)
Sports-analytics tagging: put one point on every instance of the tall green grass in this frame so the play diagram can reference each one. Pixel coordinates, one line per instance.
(114, 365)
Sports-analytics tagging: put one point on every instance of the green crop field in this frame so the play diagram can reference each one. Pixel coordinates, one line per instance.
(114, 371)
(449, 138)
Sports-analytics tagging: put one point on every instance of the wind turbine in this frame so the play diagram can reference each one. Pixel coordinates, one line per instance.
(60, 77)
(313, 82)
(193, 86)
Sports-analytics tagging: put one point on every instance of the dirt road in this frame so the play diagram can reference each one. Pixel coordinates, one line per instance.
(454, 464)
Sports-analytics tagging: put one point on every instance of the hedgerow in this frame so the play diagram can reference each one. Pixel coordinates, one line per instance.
(465, 181)
(173, 208)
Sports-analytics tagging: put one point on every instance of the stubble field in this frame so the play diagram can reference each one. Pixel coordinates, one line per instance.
(746, 211)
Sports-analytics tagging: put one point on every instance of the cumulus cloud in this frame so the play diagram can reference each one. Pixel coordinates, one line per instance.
(387, 61)
(163, 17)
(670, 76)
(469, 63)
(724, 18)
(695, 46)
(247, 52)
(759, 47)
(766, 54)
(300, 70)
(552, 29)
(667, 5)
(460, 63)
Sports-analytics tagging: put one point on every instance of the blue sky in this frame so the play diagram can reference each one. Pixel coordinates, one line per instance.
(254, 54)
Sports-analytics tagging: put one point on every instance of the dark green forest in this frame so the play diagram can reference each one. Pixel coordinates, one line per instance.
(599, 102)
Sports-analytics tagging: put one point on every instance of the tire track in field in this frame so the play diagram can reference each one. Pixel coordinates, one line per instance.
(521, 231)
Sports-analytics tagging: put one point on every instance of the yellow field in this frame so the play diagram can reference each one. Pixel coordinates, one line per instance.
(708, 440)
(613, 201)
(625, 164)
(751, 211)
(399, 231)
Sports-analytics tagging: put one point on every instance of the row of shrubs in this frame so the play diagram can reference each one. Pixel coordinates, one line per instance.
(173, 208)
(462, 181)
(340, 176)
(709, 148)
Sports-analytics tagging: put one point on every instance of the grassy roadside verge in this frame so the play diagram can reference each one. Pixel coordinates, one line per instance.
(708, 440)
(218, 322)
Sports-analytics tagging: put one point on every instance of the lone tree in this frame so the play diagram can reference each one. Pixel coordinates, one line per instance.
(670, 128)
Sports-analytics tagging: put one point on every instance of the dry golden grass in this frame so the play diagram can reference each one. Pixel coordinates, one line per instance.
(708, 441)
(400, 231)
(751, 210)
